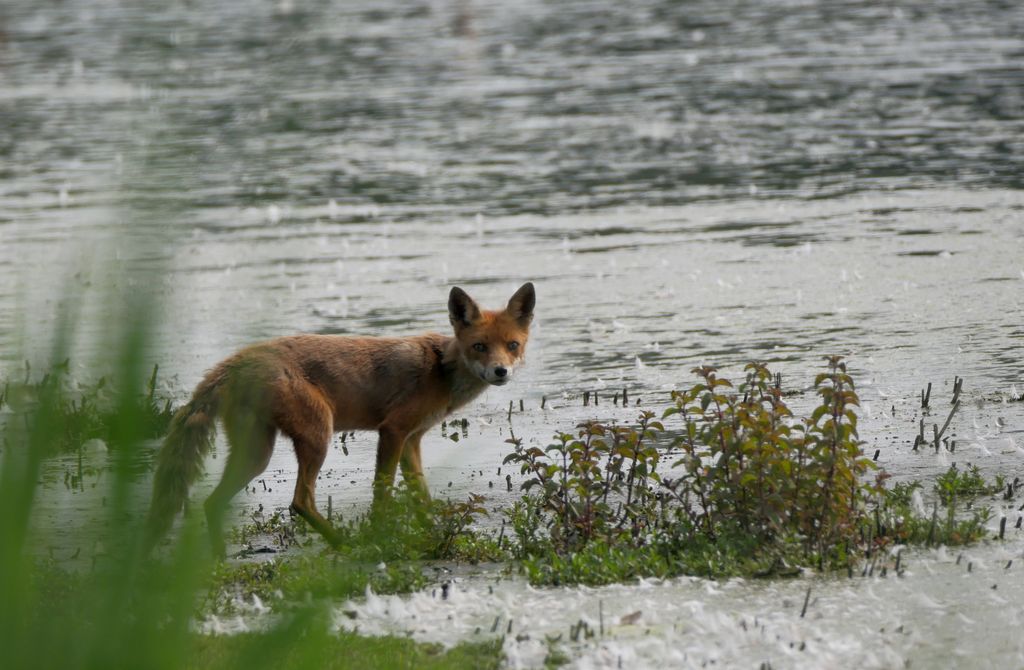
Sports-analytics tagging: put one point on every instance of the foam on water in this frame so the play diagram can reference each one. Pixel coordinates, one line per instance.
(936, 615)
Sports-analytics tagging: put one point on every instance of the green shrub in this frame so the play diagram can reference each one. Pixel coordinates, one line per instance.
(753, 467)
(601, 483)
(739, 485)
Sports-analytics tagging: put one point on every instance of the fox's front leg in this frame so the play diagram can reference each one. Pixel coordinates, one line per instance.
(389, 451)
(412, 467)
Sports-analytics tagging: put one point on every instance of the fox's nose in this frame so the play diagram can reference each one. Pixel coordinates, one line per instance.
(500, 372)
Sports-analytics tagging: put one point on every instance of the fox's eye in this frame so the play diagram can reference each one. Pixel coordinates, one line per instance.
(512, 346)
(480, 346)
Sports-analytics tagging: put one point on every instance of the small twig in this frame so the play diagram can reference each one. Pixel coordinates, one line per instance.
(931, 530)
(807, 600)
(946, 425)
(152, 381)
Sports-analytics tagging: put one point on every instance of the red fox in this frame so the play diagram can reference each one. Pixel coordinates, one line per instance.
(311, 386)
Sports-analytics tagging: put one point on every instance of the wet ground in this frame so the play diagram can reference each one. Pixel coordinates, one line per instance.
(686, 184)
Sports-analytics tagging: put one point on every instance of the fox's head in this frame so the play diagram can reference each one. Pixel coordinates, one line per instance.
(492, 344)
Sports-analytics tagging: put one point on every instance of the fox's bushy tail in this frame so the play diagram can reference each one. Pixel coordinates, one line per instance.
(180, 461)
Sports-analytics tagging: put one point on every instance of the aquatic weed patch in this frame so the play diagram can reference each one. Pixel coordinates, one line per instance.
(285, 583)
(956, 483)
(388, 554)
(953, 521)
(341, 649)
(88, 411)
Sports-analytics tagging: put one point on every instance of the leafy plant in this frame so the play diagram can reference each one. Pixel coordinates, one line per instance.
(600, 483)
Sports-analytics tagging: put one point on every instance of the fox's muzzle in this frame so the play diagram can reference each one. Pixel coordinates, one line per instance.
(497, 375)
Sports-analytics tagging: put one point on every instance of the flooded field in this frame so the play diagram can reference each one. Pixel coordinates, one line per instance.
(701, 183)
(633, 300)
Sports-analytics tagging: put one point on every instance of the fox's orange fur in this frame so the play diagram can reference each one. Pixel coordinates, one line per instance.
(312, 386)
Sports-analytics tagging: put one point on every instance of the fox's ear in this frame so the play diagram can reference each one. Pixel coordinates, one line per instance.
(462, 310)
(520, 305)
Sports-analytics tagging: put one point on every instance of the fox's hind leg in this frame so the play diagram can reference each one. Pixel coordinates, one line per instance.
(311, 455)
(306, 417)
(251, 447)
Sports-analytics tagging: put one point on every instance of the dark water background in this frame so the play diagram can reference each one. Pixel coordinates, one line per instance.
(429, 109)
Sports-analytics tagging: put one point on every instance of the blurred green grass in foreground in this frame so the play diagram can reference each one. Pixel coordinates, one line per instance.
(127, 609)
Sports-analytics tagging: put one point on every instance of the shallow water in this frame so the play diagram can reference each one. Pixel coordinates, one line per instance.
(711, 182)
